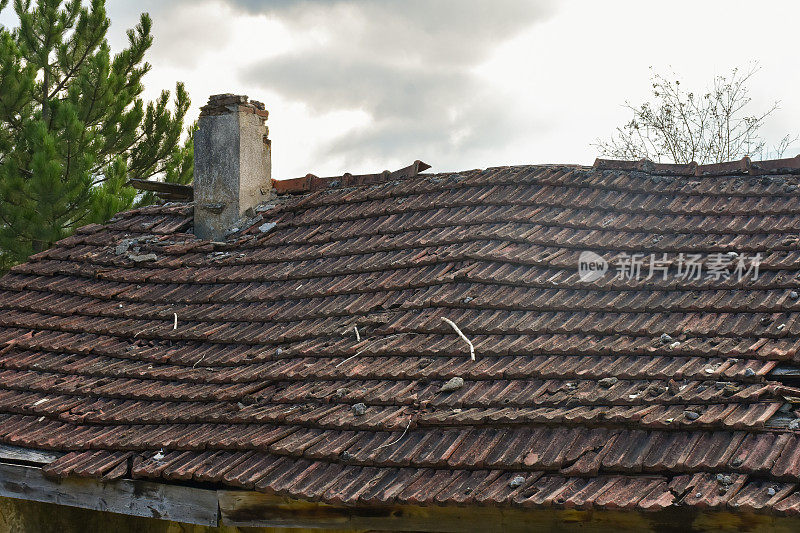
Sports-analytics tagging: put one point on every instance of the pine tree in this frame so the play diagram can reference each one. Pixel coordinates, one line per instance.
(73, 126)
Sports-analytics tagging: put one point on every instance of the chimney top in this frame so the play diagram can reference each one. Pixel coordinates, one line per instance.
(232, 163)
(219, 104)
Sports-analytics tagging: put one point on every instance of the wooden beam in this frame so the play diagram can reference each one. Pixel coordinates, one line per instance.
(15, 454)
(172, 191)
(238, 508)
(131, 497)
(254, 509)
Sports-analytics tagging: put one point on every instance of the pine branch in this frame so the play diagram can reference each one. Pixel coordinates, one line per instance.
(71, 121)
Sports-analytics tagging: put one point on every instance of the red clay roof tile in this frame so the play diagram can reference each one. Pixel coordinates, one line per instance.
(574, 400)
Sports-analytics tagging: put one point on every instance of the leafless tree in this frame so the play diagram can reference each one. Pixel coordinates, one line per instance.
(681, 127)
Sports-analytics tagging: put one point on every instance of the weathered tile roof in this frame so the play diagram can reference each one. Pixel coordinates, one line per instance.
(145, 352)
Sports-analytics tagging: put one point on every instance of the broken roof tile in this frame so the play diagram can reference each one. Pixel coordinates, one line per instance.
(618, 393)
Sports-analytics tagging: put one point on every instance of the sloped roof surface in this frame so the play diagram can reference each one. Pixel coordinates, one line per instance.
(238, 363)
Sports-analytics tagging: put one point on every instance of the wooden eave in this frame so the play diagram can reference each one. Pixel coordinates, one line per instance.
(21, 477)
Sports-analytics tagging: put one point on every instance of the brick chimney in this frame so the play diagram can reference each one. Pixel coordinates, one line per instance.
(232, 163)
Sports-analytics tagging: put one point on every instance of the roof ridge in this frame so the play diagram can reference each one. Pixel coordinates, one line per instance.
(168, 208)
(741, 166)
(310, 182)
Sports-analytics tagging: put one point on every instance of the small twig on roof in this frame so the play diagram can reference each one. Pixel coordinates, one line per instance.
(175, 322)
(340, 363)
(398, 439)
(198, 361)
(358, 337)
(463, 337)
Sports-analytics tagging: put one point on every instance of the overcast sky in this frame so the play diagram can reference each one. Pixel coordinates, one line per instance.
(363, 86)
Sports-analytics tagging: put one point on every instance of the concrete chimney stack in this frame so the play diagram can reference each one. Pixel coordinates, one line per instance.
(232, 163)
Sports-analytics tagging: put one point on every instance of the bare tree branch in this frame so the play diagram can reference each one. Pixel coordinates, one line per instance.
(681, 127)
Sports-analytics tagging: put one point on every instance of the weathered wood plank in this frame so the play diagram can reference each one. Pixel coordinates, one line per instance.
(253, 509)
(173, 190)
(248, 508)
(15, 453)
(132, 497)
(785, 371)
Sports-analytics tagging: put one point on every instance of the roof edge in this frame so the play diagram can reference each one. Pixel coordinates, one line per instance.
(310, 182)
(742, 166)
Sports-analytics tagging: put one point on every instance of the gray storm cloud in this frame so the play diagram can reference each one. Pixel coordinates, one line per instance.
(443, 31)
(407, 64)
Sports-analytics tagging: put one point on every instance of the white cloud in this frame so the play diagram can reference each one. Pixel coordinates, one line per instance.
(362, 86)
(406, 65)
